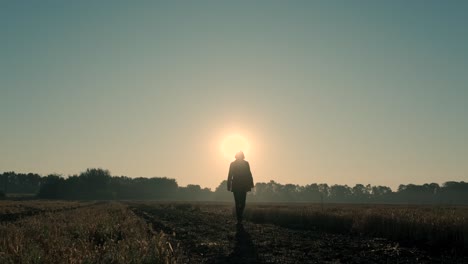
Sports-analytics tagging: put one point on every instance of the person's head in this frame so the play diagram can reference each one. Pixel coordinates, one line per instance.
(240, 155)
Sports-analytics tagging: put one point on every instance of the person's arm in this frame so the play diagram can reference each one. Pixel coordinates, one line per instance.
(229, 179)
(250, 176)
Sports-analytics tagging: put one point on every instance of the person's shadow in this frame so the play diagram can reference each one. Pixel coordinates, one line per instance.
(244, 249)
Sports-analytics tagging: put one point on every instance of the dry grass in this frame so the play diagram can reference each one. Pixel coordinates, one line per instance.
(431, 227)
(14, 207)
(103, 233)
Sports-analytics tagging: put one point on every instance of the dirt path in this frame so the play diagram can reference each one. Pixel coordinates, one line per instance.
(208, 234)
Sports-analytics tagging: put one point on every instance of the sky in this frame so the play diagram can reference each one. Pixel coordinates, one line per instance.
(337, 92)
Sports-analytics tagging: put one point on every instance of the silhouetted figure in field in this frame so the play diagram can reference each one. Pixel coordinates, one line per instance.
(239, 182)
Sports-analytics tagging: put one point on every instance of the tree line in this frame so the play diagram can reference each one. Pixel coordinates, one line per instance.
(97, 184)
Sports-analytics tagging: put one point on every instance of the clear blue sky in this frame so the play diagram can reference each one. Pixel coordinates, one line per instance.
(323, 91)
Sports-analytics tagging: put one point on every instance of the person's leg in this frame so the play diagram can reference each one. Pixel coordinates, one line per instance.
(240, 198)
(238, 201)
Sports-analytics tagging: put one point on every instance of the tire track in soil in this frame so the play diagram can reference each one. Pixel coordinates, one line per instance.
(210, 235)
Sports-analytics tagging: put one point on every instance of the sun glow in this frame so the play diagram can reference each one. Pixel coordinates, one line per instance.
(233, 144)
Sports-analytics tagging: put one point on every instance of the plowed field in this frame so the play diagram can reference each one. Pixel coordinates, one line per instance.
(170, 232)
(207, 233)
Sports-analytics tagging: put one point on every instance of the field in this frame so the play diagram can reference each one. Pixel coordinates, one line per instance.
(178, 232)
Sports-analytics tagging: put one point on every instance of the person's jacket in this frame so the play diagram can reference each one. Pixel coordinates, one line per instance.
(239, 177)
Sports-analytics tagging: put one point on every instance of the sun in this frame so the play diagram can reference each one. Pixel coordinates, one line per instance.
(233, 144)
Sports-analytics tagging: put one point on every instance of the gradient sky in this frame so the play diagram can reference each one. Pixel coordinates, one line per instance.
(324, 91)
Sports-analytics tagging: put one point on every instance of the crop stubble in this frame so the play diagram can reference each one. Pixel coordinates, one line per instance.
(169, 232)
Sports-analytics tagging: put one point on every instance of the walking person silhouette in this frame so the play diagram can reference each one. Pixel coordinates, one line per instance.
(239, 182)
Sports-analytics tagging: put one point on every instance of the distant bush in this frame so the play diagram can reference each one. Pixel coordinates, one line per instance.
(2, 195)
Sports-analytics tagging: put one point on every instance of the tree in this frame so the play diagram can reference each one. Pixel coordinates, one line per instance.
(453, 192)
(360, 193)
(221, 193)
(340, 193)
(95, 184)
(51, 186)
(311, 192)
